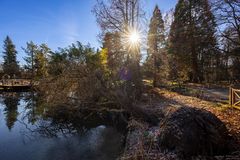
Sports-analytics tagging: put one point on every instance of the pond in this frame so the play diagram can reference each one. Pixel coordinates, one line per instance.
(26, 134)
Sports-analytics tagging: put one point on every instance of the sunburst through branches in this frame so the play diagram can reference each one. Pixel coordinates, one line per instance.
(132, 39)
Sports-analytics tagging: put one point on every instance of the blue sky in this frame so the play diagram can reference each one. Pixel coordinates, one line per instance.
(55, 22)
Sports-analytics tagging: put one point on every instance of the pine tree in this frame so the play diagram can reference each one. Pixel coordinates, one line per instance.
(10, 64)
(36, 60)
(31, 51)
(156, 44)
(192, 40)
(41, 61)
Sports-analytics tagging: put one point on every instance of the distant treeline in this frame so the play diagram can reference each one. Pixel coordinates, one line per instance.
(41, 62)
(199, 41)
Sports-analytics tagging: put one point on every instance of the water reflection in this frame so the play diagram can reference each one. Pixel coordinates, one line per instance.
(37, 134)
(33, 107)
(11, 101)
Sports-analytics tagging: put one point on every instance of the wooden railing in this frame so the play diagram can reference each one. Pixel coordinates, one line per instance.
(234, 97)
(15, 82)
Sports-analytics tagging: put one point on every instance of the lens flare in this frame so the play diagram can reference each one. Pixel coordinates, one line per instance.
(132, 39)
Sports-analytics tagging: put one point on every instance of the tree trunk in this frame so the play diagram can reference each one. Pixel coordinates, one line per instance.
(154, 69)
(195, 75)
(194, 59)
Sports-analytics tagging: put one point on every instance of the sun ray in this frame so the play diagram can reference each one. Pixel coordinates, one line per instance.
(132, 39)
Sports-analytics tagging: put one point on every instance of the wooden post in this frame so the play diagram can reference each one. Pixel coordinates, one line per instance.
(234, 97)
(230, 96)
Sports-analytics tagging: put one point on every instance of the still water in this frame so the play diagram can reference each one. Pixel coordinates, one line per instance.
(26, 134)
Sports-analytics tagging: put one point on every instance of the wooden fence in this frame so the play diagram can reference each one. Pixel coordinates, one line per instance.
(234, 97)
(15, 82)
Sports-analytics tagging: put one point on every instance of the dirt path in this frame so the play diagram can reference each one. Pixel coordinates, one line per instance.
(230, 116)
(218, 93)
(214, 93)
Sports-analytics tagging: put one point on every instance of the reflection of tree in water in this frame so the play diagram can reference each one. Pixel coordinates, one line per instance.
(38, 122)
(34, 108)
(50, 128)
(41, 120)
(11, 101)
(30, 108)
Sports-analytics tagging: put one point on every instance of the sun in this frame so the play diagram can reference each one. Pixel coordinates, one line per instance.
(132, 39)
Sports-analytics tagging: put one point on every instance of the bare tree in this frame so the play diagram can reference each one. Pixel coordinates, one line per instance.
(118, 15)
(123, 17)
(228, 16)
(227, 13)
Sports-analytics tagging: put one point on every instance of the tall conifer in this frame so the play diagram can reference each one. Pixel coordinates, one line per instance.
(10, 63)
(192, 40)
(156, 44)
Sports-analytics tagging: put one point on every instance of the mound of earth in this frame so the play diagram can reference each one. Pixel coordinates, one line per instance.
(190, 131)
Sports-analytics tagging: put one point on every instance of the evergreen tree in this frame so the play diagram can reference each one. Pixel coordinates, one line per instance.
(36, 59)
(10, 64)
(31, 51)
(192, 41)
(58, 61)
(41, 61)
(156, 44)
